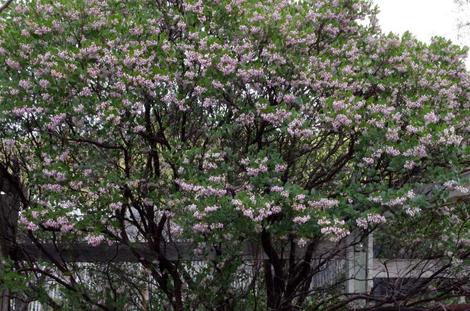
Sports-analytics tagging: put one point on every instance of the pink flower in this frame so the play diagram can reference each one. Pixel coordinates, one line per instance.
(341, 120)
(227, 64)
(299, 207)
(296, 129)
(56, 121)
(301, 219)
(25, 84)
(211, 209)
(370, 219)
(43, 83)
(115, 206)
(85, 92)
(275, 118)
(255, 171)
(66, 228)
(202, 228)
(335, 233)
(392, 134)
(338, 105)
(280, 168)
(431, 117)
(289, 98)
(12, 64)
(53, 187)
(368, 161)
(94, 240)
(323, 203)
(409, 165)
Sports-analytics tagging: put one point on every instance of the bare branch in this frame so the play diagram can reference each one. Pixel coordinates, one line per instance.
(5, 5)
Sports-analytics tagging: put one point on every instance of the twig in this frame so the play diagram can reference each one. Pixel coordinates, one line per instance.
(5, 5)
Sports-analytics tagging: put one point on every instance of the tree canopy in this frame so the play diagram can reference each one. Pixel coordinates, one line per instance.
(285, 123)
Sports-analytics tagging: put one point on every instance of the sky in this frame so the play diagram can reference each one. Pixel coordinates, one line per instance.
(424, 18)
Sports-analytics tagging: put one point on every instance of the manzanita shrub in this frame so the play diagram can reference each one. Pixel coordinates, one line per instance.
(286, 124)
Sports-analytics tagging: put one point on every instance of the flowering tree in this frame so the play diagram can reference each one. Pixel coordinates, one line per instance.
(283, 123)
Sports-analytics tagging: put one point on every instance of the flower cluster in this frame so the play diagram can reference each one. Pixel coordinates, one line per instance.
(334, 229)
(213, 121)
(203, 191)
(371, 219)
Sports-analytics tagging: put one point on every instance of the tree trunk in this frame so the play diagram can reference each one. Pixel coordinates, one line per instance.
(9, 209)
(5, 300)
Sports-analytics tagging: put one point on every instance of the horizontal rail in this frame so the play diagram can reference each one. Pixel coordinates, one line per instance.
(135, 252)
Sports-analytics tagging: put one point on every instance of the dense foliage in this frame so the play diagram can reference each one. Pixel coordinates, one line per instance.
(284, 123)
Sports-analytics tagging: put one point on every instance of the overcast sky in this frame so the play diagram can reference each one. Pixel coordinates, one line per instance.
(424, 18)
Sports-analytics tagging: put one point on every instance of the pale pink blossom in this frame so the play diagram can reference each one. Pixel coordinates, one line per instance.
(431, 117)
(94, 240)
(371, 219)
